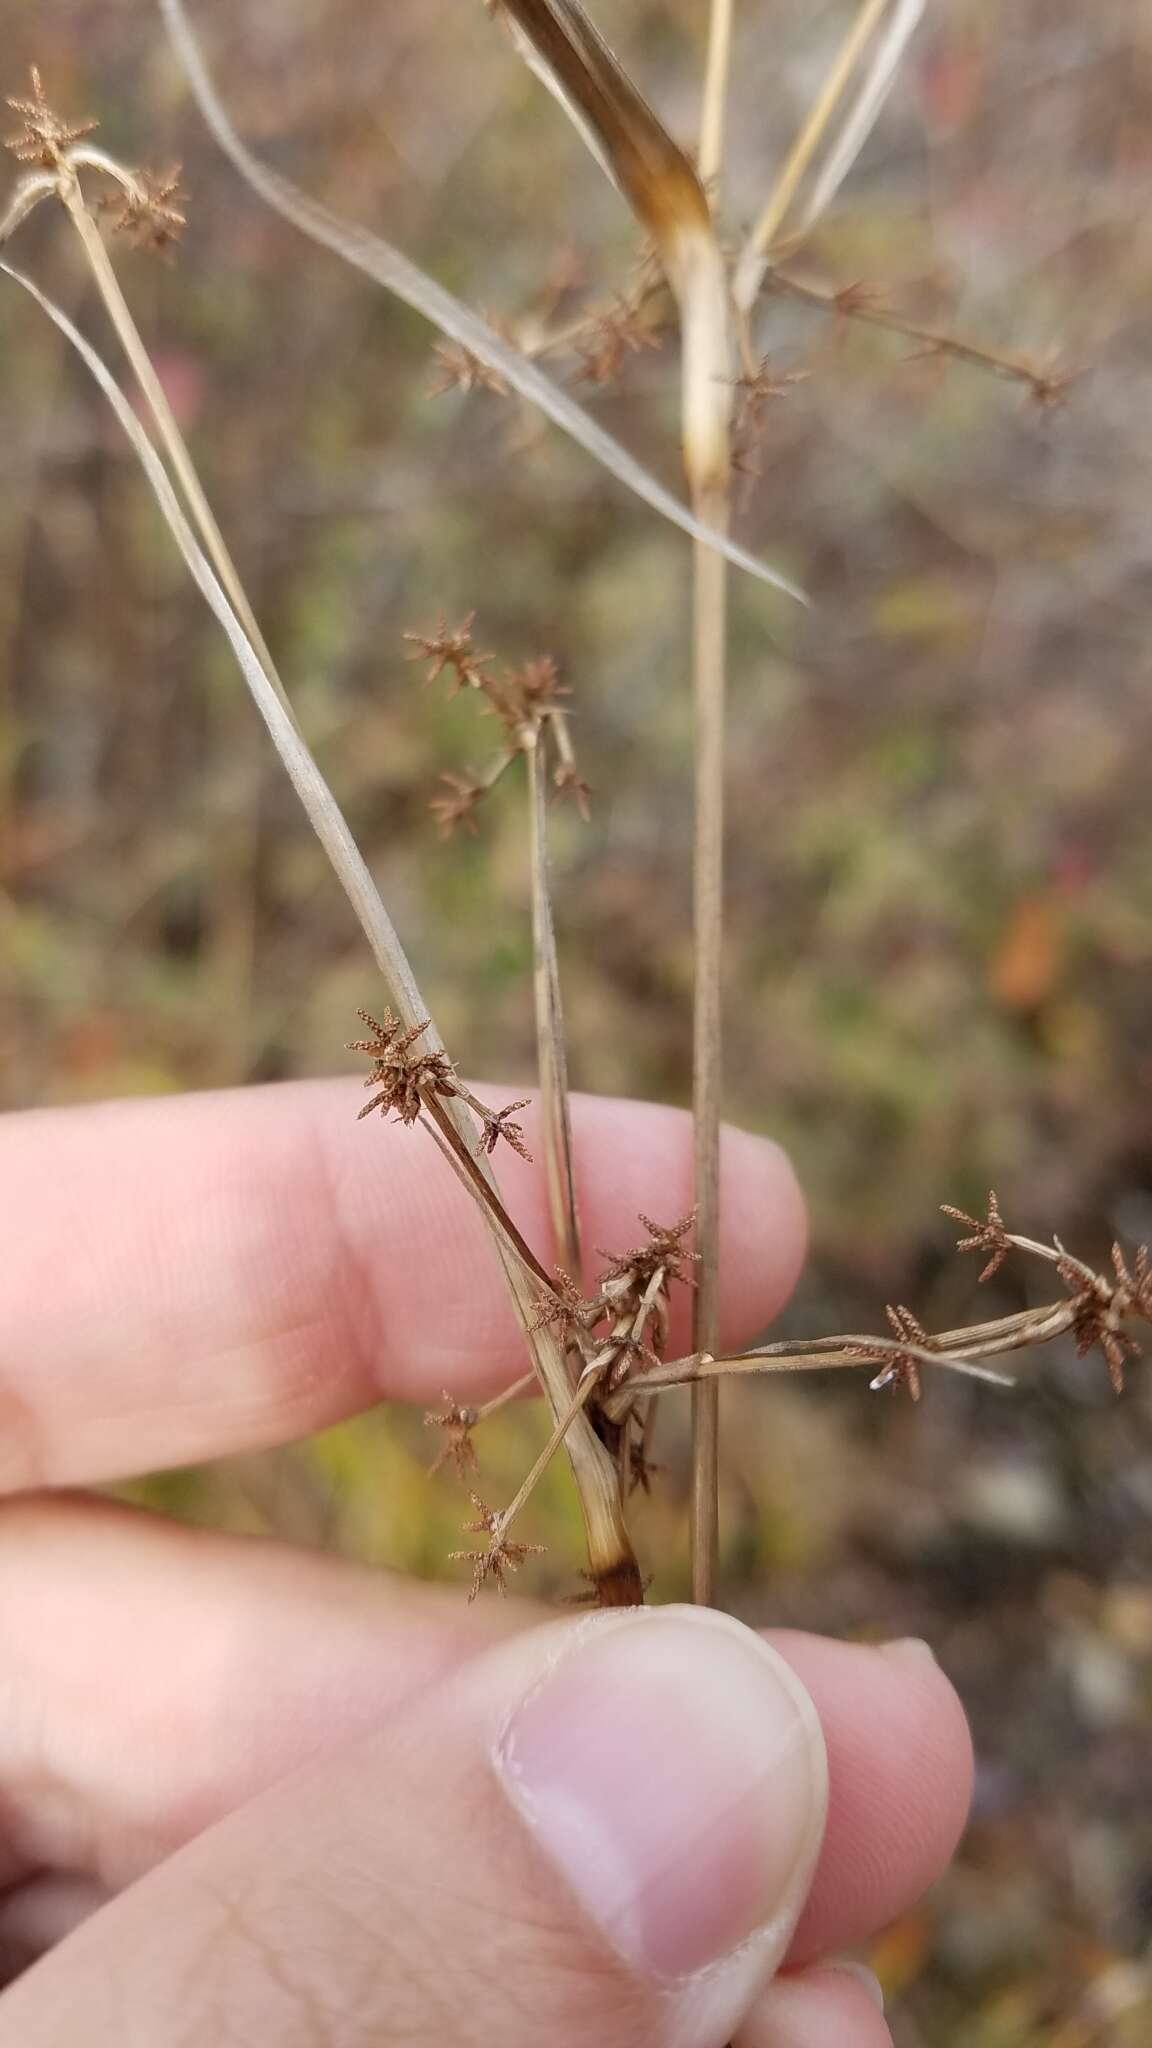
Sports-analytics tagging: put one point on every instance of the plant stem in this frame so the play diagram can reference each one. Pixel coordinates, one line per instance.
(709, 632)
(555, 1111)
(710, 155)
(706, 314)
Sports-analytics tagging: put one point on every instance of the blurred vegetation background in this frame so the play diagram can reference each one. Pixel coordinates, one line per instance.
(941, 845)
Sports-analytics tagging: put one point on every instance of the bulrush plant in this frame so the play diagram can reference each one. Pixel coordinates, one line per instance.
(596, 1351)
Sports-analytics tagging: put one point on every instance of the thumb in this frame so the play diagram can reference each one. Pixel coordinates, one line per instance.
(601, 1832)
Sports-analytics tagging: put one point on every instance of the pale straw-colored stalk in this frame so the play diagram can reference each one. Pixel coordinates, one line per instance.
(882, 27)
(551, 1052)
(713, 114)
(665, 190)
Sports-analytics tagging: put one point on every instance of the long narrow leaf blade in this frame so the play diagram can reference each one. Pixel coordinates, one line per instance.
(387, 266)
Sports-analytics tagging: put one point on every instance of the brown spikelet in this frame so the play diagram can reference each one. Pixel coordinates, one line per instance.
(45, 137)
(148, 213)
(499, 1556)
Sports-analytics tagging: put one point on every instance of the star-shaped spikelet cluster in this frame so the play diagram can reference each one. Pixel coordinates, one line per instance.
(499, 1555)
(45, 138)
(401, 1076)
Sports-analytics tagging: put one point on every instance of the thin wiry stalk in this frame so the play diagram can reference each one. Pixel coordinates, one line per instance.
(172, 440)
(388, 266)
(873, 88)
(515, 1392)
(468, 1167)
(855, 303)
(710, 156)
(529, 1483)
(552, 1060)
(611, 1561)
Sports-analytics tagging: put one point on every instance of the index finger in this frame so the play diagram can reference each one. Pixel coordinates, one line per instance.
(205, 1274)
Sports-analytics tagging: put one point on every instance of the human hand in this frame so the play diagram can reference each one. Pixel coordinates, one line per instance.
(257, 1795)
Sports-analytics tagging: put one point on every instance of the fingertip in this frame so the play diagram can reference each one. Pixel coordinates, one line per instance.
(828, 2006)
(765, 1224)
(900, 1782)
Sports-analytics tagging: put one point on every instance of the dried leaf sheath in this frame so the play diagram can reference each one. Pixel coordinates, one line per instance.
(664, 191)
(571, 57)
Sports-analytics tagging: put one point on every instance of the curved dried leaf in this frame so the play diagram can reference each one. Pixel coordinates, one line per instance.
(29, 192)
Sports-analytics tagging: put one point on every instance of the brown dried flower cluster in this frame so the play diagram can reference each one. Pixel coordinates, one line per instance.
(1100, 1306)
(45, 137)
(898, 1368)
(143, 204)
(616, 1335)
(757, 390)
(665, 1253)
(451, 650)
(456, 803)
(565, 1309)
(147, 212)
(407, 1080)
(605, 341)
(529, 703)
(457, 1423)
(987, 1236)
(459, 370)
(498, 1556)
(402, 1077)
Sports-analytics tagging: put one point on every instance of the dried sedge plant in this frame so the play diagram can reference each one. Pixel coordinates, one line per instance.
(599, 1359)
